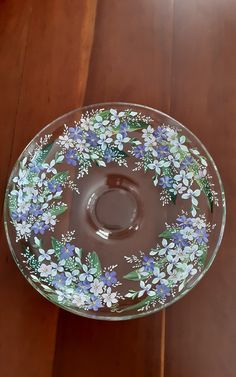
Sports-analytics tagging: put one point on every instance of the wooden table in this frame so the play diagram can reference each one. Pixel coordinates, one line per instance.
(177, 56)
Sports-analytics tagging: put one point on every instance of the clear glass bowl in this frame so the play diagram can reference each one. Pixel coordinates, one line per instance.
(114, 211)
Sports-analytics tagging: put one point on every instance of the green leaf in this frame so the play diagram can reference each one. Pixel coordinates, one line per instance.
(12, 203)
(58, 209)
(166, 234)
(60, 177)
(57, 246)
(118, 153)
(133, 275)
(136, 125)
(95, 263)
(42, 154)
(205, 186)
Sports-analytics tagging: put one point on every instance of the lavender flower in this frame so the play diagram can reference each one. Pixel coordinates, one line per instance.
(148, 263)
(92, 138)
(109, 155)
(71, 157)
(184, 221)
(201, 235)
(109, 278)
(35, 210)
(162, 290)
(94, 303)
(139, 151)
(39, 227)
(54, 187)
(179, 240)
(166, 181)
(75, 133)
(67, 251)
(59, 280)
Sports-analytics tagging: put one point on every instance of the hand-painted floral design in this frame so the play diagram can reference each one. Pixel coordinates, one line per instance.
(166, 269)
(72, 277)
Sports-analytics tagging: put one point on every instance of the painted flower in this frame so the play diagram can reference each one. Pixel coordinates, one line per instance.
(201, 235)
(162, 151)
(190, 194)
(188, 233)
(156, 165)
(100, 123)
(145, 288)
(184, 177)
(83, 286)
(21, 180)
(57, 267)
(109, 278)
(186, 162)
(94, 303)
(67, 251)
(186, 269)
(166, 181)
(59, 281)
(159, 276)
(160, 133)
(71, 277)
(79, 300)
(97, 287)
(75, 132)
(71, 157)
(174, 160)
(109, 155)
(23, 228)
(162, 291)
(198, 223)
(120, 140)
(109, 297)
(23, 207)
(19, 216)
(166, 247)
(147, 132)
(45, 255)
(193, 251)
(139, 151)
(148, 263)
(35, 167)
(54, 186)
(172, 260)
(178, 145)
(50, 168)
(105, 139)
(44, 270)
(184, 221)
(178, 188)
(66, 142)
(35, 209)
(171, 134)
(178, 239)
(49, 219)
(87, 124)
(39, 227)
(92, 138)
(116, 117)
(87, 274)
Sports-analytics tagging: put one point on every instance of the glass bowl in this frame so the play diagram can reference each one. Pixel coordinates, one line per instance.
(114, 211)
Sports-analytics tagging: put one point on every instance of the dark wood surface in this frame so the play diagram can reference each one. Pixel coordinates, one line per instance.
(178, 56)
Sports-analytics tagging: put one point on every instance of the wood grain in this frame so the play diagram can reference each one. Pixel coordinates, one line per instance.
(130, 61)
(200, 329)
(50, 80)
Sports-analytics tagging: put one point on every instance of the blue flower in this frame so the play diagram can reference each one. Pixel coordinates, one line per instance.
(160, 133)
(75, 133)
(179, 240)
(67, 251)
(39, 227)
(123, 129)
(184, 221)
(188, 160)
(109, 155)
(54, 186)
(166, 181)
(59, 281)
(92, 138)
(71, 157)
(35, 167)
(19, 216)
(162, 151)
(162, 290)
(83, 287)
(148, 263)
(201, 235)
(94, 303)
(109, 278)
(35, 210)
(139, 151)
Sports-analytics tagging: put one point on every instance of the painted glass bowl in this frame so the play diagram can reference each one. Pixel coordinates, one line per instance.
(114, 211)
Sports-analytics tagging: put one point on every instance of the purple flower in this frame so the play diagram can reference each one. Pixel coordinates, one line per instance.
(35, 210)
(109, 155)
(59, 280)
(179, 240)
(166, 181)
(109, 278)
(162, 290)
(148, 263)
(160, 133)
(67, 251)
(75, 133)
(83, 287)
(35, 167)
(139, 151)
(92, 138)
(162, 151)
(19, 216)
(94, 303)
(71, 157)
(201, 235)
(184, 221)
(54, 186)
(39, 227)
(123, 129)
(188, 160)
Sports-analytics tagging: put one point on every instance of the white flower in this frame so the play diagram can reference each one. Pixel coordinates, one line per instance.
(45, 270)
(100, 123)
(48, 218)
(193, 195)
(147, 132)
(116, 116)
(183, 176)
(71, 276)
(45, 255)
(66, 294)
(174, 159)
(144, 288)
(178, 253)
(23, 207)
(50, 167)
(81, 146)
(178, 188)
(156, 165)
(172, 262)
(178, 144)
(57, 267)
(30, 191)
(109, 298)
(166, 247)
(188, 233)
(87, 274)
(86, 124)
(97, 287)
(21, 180)
(79, 300)
(175, 276)
(201, 174)
(198, 223)
(171, 135)
(193, 250)
(23, 228)
(66, 142)
(120, 139)
(186, 270)
(105, 139)
(159, 276)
